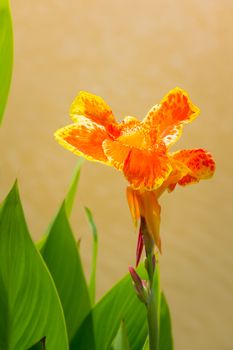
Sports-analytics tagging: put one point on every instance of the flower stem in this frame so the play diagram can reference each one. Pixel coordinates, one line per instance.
(152, 312)
(152, 323)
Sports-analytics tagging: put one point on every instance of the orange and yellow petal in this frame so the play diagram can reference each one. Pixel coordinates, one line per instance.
(136, 136)
(145, 204)
(146, 170)
(179, 170)
(142, 168)
(92, 107)
(116, 152)
(129, 132)
(133, 204)
(150, 210)
(166, 120)
(84, 138)
(199, 164)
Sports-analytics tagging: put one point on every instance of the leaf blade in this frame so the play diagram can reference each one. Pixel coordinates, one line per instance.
(121, 341)
(69, 201)
(165, 334)
(6, 54)
(70, 197)
(33, 308)
(92, 283)
(120, 303)
(61, 255)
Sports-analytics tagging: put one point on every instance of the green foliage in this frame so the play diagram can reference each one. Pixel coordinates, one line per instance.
(61, 255)
(146, 345)
(120, 303)
(69, 201)
(70, 197)
(165, 331)
(29, 303)
(94, 254)
(6, 53)
(121, 341)
(44, 293)
(165, 334)
(60, 252)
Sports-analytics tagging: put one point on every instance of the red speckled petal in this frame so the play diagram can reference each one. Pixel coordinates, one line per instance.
(92, 107)
(84, 138)
(199, 164)
(166, 119)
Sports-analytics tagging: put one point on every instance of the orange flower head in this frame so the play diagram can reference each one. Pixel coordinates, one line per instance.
(139, 149)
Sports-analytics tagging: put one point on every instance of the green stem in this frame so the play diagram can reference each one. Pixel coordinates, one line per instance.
(152, 323)
(152, 312)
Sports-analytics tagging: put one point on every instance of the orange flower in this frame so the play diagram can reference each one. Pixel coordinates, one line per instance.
(140, 149)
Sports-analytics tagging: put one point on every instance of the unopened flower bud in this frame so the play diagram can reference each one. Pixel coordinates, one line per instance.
(139, 285)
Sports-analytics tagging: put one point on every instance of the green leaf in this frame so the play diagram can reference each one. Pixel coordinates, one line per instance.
(121, 341)
(92, 284)
(69, 200)
(41, 345)
(120, 303)
(40, 244)
(146, 345)
(165, 334)
(73, 187)
(29, 303)
(61, 255)
(6, 54)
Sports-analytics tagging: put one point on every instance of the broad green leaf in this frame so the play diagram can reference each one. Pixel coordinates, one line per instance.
(146, 345)
(120, 303)
(29, 303)
(121, 341)
(92, 283)
(41, 242)
(61, 255)
(6, 53)
(41, 345)
(165, 332)
(73, 187)
(69, 200)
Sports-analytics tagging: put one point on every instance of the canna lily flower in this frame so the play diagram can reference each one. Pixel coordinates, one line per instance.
(139, 149)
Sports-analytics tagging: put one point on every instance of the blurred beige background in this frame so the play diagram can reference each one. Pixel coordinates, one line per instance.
(131, 53)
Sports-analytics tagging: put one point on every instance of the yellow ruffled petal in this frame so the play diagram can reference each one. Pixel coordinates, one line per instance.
(84, 138)
(166, 120)
(116, 153)
(92, 107)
